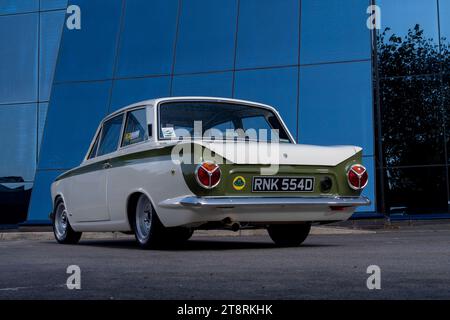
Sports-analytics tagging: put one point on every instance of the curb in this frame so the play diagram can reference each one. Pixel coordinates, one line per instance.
(17, 236)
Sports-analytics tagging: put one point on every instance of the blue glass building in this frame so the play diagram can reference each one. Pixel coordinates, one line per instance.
(316, 61)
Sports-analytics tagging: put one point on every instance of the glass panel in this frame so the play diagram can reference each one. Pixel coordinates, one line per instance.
(41, 201)
(135, 127)
(129, 91)
(412, 126)
(110, 135)
(18, 6)
(446, 111)
(14, 200)
(416, 190)
(89, 53)
(53, 4)
(50, 36)
(93, 151)
(19, 58)
(148, 38)
(177, 120)
(410, 45)
(74, 113)
(268, 33)
(42, 116)
(444, 10)
(336, 105)
(207, 84)
(276, 87)
(334, 30)
(18, 130)
(206, 36)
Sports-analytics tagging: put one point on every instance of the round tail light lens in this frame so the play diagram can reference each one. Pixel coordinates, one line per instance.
(208, 175)
(357, 177)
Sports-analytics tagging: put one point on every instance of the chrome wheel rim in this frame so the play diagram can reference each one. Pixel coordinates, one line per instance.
(61, 221)
(144, 212)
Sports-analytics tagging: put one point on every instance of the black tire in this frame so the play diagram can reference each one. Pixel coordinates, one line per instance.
(178, 235)
(289, 235)
(62, 230)
(148, 234)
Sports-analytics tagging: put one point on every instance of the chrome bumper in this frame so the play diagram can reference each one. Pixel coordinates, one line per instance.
(231, 202)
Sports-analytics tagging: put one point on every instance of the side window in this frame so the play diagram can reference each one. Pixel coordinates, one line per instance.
(263, 131)
(93, 151)
(110, 135)
(135, 128)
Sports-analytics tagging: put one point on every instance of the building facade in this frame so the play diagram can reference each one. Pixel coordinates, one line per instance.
(30, 33)
(333, 79)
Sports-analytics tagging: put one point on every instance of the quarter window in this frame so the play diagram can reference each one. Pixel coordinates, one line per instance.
(93, 152)
(110, 135)
(135, 128)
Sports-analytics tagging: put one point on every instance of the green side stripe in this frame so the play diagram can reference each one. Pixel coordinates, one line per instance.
(120, 161)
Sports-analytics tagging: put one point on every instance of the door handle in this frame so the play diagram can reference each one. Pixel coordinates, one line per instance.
(107, 165)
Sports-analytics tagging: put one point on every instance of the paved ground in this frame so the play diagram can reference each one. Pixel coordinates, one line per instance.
(414, 262)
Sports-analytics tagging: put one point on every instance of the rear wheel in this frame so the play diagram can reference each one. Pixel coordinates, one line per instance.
(148, 230)
(178, 235)
(61, 227)
(289, 235)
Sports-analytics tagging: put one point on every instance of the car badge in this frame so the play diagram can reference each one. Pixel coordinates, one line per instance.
(239, 183)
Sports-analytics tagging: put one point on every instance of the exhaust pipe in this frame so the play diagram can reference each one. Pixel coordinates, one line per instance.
(232, 225)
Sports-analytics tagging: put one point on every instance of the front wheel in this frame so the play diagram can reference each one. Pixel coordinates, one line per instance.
(61, 227)
(289, 235)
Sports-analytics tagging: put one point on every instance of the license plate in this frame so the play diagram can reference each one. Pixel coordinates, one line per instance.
(283, 184)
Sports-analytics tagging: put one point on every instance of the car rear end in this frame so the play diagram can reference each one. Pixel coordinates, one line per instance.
(241, 192)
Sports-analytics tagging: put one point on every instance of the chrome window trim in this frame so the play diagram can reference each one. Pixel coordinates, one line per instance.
(97, 136)
(122, 129)
(231, 101)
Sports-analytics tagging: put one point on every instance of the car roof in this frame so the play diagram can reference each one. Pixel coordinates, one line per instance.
(189, 98)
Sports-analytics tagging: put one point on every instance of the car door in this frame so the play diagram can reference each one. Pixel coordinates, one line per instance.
(123, 179)
(89, 190)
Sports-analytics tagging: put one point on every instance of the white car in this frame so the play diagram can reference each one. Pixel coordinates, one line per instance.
(163, 168)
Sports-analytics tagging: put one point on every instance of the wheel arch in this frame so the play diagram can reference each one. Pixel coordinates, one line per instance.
(132, 200)
(58, 197)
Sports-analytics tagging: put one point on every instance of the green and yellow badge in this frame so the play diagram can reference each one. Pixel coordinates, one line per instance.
(239, 183)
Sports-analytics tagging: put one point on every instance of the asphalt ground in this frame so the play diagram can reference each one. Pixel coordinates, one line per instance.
(414, 264)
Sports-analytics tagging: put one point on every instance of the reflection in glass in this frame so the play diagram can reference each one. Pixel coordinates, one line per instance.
(446, 111)
(14, 200)
(444, 12)
(412, 126)
(416, 190)
(413, 63)
(400, 16)
(412, 54)
(18, 131)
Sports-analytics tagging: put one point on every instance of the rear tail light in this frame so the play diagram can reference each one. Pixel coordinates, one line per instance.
(208, 175)
(357, 177)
